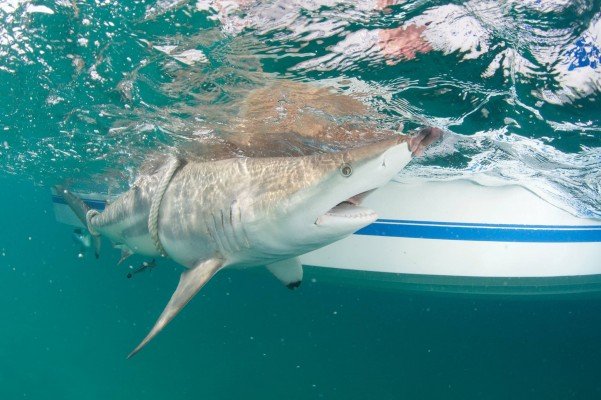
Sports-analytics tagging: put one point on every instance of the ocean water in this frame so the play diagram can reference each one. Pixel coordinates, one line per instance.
(91, 89)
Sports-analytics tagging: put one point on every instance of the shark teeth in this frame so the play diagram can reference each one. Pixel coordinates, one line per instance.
(347, 209)
(358, 199)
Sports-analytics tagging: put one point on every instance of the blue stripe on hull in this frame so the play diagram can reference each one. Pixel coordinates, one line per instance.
(459, 230)
(483, 232)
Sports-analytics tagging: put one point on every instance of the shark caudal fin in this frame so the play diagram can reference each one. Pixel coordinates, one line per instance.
(190, 282)
(80, 209)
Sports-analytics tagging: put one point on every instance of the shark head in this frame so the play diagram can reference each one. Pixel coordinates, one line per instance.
(323, 202)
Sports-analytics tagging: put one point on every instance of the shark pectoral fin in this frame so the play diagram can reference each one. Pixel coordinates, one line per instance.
(190, 282)
(289, 272)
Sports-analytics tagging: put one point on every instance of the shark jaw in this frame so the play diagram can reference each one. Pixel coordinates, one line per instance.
(349, 212)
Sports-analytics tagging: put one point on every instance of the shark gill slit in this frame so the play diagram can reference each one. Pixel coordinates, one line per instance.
(224, 236)
(233, 227)
(208, 227)
(237, 229)
(243, 230)
(227, 232)
(218, 234)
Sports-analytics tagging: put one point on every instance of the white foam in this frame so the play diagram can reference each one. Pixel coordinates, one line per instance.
(39, 9)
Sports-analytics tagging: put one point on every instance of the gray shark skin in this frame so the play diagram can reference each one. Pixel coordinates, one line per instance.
(247, 212)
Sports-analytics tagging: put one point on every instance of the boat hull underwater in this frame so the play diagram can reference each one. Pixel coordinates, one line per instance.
(456, 236)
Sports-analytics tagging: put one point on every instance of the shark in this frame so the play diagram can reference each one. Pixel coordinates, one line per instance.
(244, 212)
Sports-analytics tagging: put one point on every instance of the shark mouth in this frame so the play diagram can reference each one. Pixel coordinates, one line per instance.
(349, 209)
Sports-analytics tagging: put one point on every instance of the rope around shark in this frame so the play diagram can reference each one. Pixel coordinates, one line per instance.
(153, 216)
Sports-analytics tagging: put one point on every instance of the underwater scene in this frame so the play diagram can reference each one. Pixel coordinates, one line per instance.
(146, 143)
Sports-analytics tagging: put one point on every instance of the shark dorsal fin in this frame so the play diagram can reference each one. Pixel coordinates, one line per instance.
(190, 282)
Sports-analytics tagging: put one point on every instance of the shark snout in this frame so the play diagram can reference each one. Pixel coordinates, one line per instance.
(378, 149)
(396, 157)
(381, 160)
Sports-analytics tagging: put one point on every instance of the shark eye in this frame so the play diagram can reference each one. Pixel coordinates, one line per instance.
(346, 170)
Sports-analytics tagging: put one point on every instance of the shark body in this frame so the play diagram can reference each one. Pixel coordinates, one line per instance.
(245, 212)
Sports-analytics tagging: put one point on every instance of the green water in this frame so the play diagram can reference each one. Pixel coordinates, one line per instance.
(86, 96)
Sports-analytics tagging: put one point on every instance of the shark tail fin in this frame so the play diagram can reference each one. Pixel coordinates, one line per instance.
(190, 282)
(80, 209)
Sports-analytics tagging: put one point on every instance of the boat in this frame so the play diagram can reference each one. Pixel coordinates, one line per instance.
(456, 235)
(463, 236)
